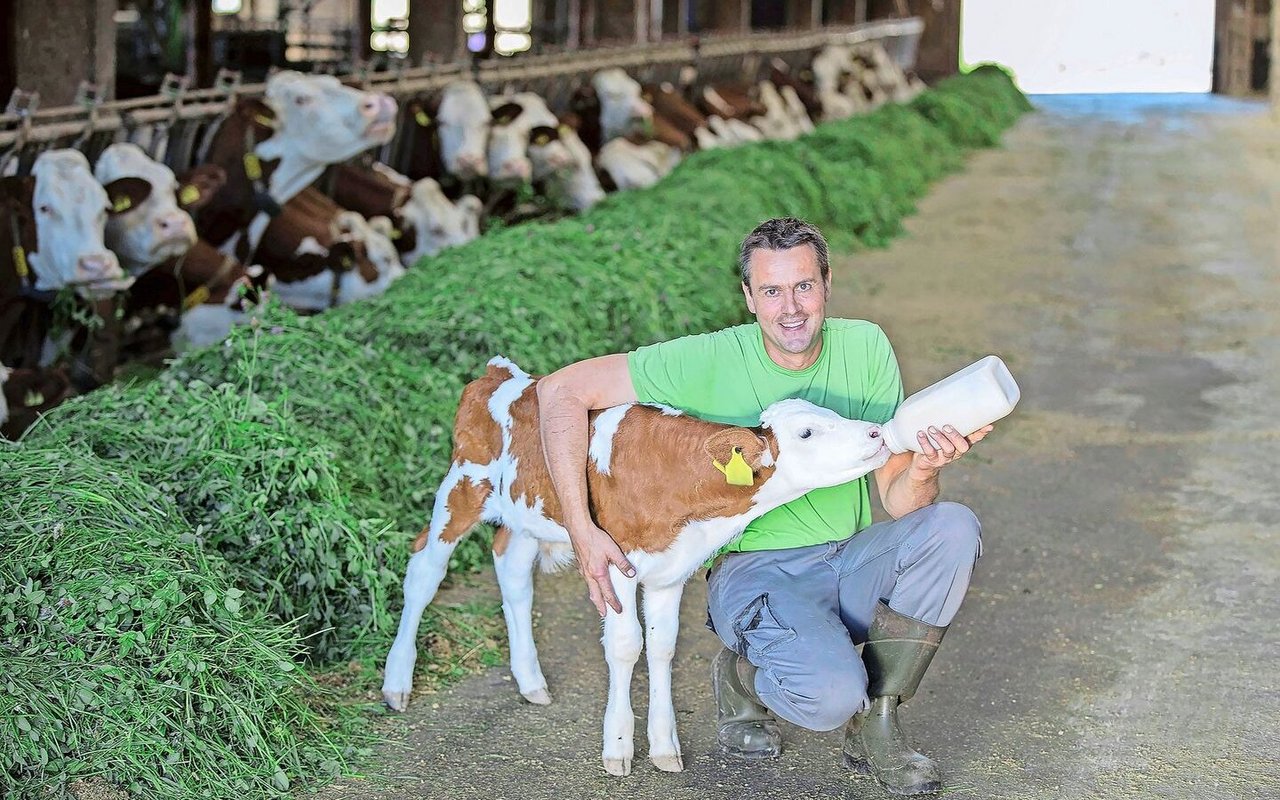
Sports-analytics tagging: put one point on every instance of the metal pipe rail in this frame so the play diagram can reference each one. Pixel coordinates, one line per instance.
(26, 129)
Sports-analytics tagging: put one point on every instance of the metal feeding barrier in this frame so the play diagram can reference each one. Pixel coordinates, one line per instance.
(171, 125)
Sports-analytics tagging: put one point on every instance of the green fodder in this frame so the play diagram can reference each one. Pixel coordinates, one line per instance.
(127, 655)
(294, 462)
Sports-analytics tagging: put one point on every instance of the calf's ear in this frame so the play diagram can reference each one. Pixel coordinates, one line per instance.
(721, 445)
(125, 194)
(506, 113)
(200, 185)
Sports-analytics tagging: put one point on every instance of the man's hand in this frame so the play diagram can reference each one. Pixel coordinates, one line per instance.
(596, 550)
(950, 447)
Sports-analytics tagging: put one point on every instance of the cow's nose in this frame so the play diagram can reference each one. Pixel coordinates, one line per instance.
(874, 432)
(514, 168)
(370, 105)
(471, 164)
(97, 266)
(641, 109)
(175, 224)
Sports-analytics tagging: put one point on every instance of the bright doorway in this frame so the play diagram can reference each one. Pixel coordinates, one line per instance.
(1094, 46)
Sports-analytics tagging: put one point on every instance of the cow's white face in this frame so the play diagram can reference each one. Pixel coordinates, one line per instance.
(153, 230)
(323, 122)
(70, 209)
(463, 121)
(817, 447)
(509, 138)
(621, 105)
(439, 222)
(378, 248)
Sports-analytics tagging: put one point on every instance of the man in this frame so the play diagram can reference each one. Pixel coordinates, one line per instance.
(806, 582)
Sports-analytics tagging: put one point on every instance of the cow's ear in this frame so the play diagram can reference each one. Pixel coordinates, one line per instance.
(126, 194)
(200, 185)
(506, 113)
(543, 135)
(722, 447)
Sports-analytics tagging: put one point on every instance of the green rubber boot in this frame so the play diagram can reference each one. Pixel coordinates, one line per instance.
(744, 727)
(897, 653)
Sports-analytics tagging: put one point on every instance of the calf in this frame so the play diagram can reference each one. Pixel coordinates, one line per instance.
(514, 119)
(423, 220)
(150, 226)
(670, 489)
(25, 394)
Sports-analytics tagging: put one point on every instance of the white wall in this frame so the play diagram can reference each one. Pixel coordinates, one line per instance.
(1081, 46)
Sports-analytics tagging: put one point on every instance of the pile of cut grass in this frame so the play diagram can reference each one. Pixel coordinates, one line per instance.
(293, 463)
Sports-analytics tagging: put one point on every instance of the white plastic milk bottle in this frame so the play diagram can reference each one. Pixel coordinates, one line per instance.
(972, 398)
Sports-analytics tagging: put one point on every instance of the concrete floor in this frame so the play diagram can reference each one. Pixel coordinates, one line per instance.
(1120, 638)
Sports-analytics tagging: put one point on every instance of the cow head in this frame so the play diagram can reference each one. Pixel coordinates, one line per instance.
(463, 121)
(147, 225)
(66, 208)
(371, 247)
(621, 105)
(816, 447)
(515, 117)
(437, 222)
(318, 121)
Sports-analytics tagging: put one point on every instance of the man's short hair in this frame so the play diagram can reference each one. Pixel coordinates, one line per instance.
(783, 233)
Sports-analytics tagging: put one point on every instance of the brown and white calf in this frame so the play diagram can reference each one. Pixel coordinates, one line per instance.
(658, 483)
(424, 221)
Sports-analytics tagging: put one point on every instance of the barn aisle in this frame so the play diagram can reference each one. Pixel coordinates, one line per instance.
(1119, 641)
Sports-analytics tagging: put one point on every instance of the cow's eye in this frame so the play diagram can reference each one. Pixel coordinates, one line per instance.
(44, 208)
(301, 100)
(806, 433)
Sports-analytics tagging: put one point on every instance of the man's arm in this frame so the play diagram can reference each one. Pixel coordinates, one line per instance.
(564, 398)
(909, 481)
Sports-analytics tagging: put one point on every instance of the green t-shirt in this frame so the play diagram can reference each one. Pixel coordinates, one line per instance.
(726, 376)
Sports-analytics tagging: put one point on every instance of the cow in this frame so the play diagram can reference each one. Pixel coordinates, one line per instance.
(670, 489)
(274, 148)
(832, 69)
(423, 220)
(149, 226)
(448, 139)
(514, 118)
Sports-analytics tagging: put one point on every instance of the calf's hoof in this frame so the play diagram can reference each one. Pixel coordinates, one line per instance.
(539, 697)
(617, 766)
(668, 763)
(396, 701)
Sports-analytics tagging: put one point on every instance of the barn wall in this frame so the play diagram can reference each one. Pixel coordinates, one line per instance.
(57, 45)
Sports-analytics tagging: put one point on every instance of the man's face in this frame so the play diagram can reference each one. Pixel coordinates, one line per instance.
(789, 298)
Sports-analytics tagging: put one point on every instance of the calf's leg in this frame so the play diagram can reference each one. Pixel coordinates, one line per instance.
(457, 510)
(513, 557)
(661, 624)
(622, 642)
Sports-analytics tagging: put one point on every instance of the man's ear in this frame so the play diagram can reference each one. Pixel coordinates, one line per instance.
(751, 302)
(721, 444)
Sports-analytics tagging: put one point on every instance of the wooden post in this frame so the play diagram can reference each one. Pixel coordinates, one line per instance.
(57, 45)
(1273, 77)
(731, 16)
(435, 31)
(201, 52)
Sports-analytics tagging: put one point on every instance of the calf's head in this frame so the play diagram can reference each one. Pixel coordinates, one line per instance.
(816, 447)
(621, 104)
(147, 225)
(65, 208)
(463, 121)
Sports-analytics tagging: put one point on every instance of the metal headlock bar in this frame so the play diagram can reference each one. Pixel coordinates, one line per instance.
(179, 114)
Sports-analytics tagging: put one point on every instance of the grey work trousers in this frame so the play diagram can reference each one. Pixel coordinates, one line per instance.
(797, 614)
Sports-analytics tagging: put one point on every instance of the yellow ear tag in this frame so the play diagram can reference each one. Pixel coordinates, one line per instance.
(20, 261)
(541, 139)
(122, 203)
(188, 194)
(252, 166)
(565, 130)
(264, 120)
(738, 472)
(396, 233)
(196, 298)
(421, 118)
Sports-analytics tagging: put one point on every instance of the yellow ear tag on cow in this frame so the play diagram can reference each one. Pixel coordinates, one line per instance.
(188, 194)
(196, 298)
(252, 166)
(396, 233)
(121, 203)
(20, 261)
(264, 120)
(422, 118)
(565, 130)
(738, 472)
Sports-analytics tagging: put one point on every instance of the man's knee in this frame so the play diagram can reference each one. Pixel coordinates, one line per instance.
(954, 531)
(815, 699)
